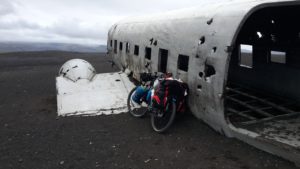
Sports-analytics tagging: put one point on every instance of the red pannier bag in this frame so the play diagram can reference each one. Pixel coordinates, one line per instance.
(168, 89)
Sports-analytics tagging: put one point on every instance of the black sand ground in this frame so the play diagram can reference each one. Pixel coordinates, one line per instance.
(32, 137)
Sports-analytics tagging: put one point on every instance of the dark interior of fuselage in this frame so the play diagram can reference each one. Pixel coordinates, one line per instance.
(263, 84)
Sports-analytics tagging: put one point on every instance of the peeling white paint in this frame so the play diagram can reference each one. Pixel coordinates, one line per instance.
(105, 94)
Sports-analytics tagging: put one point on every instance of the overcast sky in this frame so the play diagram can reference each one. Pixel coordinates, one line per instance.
(73, 21)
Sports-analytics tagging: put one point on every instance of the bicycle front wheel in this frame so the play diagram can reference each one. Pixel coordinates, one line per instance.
(161, 121)
(134, 109)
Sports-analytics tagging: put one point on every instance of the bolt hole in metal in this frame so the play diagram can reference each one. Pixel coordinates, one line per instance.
(199, 88)
(209, 22)
(209, 70)
(214, 49)
(201, 40)
(201, 74)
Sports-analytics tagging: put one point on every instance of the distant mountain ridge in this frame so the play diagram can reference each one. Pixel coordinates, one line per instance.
(6, 47)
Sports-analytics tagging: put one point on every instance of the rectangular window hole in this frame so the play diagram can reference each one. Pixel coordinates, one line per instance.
(127, 47)
(148, 53)
(121, 46)
(246, 56)
(278, 57)
(116, 46)
(163, 60)
(136, 50)
(183, 63)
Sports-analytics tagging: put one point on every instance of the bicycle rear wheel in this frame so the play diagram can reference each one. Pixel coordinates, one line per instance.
(134, 109)
(161, 121)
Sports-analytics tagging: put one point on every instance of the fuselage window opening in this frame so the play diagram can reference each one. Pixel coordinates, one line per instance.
(183, 63)
(116, 46)
(136, 50)
(246, 56)
(163, 60)
(127, 47)
(278, 57)
(111, 43)
(148, 53)
(121, 46)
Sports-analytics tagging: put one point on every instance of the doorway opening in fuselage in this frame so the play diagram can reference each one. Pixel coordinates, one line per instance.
(263, 87)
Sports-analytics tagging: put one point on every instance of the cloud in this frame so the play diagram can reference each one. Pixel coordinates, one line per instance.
(78, 29)
(67, 31)
(28, 35)
(72, 21)
(27, 22)
(17, 24)
(133, 7)
(6, 7)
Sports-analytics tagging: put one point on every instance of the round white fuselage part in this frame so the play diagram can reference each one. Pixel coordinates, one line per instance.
(77, 69)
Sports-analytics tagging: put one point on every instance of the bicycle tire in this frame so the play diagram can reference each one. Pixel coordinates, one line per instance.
(170, 117)
(135, 112)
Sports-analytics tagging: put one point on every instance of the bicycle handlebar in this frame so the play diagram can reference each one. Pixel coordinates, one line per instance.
(145, 77)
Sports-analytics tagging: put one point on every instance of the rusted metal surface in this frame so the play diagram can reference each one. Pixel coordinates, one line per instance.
(207, 34)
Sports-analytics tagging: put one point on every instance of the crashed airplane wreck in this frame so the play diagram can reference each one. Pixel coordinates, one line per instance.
(241, 60)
